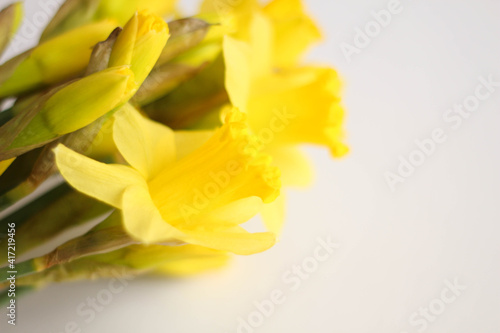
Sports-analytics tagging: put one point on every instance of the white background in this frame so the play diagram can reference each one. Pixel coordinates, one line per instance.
(398, 248)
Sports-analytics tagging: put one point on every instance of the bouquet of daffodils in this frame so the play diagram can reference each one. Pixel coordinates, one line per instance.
(136, 141)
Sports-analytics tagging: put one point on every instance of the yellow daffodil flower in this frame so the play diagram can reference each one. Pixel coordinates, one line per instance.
(263, 79)
(308, 96)
(172, 192)
(56, 60)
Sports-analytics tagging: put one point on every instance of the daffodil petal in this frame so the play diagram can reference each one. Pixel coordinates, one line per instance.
(195, 264)
(105, 182)
(148, 146)
(236, 240)
(238, 75)
(142, 220)
(309, 110)
(296, 169)
(262, 45)
(124, 45)
(294, 30)
(152, 36)
(227, 168)
(234, 213)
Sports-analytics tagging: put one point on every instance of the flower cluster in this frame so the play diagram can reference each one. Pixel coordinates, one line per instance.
(168, 136)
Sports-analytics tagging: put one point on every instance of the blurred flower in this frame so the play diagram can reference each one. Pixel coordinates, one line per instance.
(193, 192)
(293, 31)
(261, 79)
(287, 104)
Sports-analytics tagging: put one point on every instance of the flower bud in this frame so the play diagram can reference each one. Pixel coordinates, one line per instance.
(77, 105)
(140, 44)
